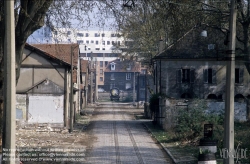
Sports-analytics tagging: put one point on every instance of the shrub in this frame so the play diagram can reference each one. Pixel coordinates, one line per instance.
(190, 123)
(154, 102)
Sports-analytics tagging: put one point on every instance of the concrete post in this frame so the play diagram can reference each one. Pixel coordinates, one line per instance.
(9, 117)
(230, 75)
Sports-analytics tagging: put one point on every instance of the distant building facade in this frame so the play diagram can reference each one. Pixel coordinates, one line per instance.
(100, 47)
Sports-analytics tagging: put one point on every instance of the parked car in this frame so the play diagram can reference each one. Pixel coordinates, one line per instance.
(101, 90)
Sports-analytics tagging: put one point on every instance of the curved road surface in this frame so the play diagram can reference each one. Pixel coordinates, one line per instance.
(119, 139)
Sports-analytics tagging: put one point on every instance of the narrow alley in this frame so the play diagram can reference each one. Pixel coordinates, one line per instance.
(119, 138)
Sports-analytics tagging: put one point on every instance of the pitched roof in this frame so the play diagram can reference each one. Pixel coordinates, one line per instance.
(192, 45)
(61, 52)
(121, 66)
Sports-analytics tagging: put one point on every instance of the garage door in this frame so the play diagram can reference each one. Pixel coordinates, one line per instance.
(45, 109)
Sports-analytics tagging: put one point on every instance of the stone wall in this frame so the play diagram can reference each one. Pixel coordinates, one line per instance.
(169, 109)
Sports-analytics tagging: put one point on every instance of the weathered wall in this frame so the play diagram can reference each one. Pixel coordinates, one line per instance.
(167, 78)
(31, 76)
(169, 109)
(21, 107)
(240, 109)
(119, 80)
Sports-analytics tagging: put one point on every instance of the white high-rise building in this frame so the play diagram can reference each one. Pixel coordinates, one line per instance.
(96, 45)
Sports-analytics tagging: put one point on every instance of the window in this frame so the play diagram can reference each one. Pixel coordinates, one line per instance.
(128, 86)
(106, 63)
(80, 42)
(128, 76)
(209, 76)
(97, 34)
(87, 41)
(108, 42)
(101, 78)
(96, 42)
(99, 55)
(101, 71)
(92, 41)
(239, 75)
(80, 34)
(103, 42)
(112, 77)
(68, 32)
(103, 35)
(143, 71)
(103, 48)
(185, 75)
(112, 85)
(97, 48)
(87, 34)
(129, 67)
(113, 43)
(112, 66)
(113, 35)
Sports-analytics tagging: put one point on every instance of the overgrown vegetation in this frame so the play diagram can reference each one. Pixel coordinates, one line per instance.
(190, 122)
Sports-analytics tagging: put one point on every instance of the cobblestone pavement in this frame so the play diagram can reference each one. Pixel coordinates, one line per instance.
(118, 138)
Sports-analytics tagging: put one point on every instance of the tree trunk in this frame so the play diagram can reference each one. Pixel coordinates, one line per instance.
(30, 18)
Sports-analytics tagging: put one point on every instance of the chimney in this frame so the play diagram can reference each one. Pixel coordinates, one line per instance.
(161, 45)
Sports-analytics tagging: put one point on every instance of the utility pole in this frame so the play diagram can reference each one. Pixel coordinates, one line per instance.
(71, 94)
(91, 81)
(86, 88)
(230, 83)
(138, 90)
(9, 113)
(96, 81)
(134, 89)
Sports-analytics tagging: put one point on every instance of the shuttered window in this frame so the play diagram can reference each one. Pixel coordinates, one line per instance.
(185, 75)
(239, 72)
(209, 76)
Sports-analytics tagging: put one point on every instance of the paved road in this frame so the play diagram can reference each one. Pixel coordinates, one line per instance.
(119, 139)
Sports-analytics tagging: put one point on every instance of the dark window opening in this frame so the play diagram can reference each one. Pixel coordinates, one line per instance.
(185, 75)
(209, 76)
(211, 96)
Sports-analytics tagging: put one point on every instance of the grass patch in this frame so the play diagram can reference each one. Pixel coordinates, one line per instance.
(169, 140)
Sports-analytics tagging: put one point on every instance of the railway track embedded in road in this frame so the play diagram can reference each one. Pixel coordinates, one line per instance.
(137, 151)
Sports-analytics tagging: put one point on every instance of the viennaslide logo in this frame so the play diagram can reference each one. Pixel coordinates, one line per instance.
(235, 153)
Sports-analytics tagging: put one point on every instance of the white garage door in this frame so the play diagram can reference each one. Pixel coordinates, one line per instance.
(45, 109)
